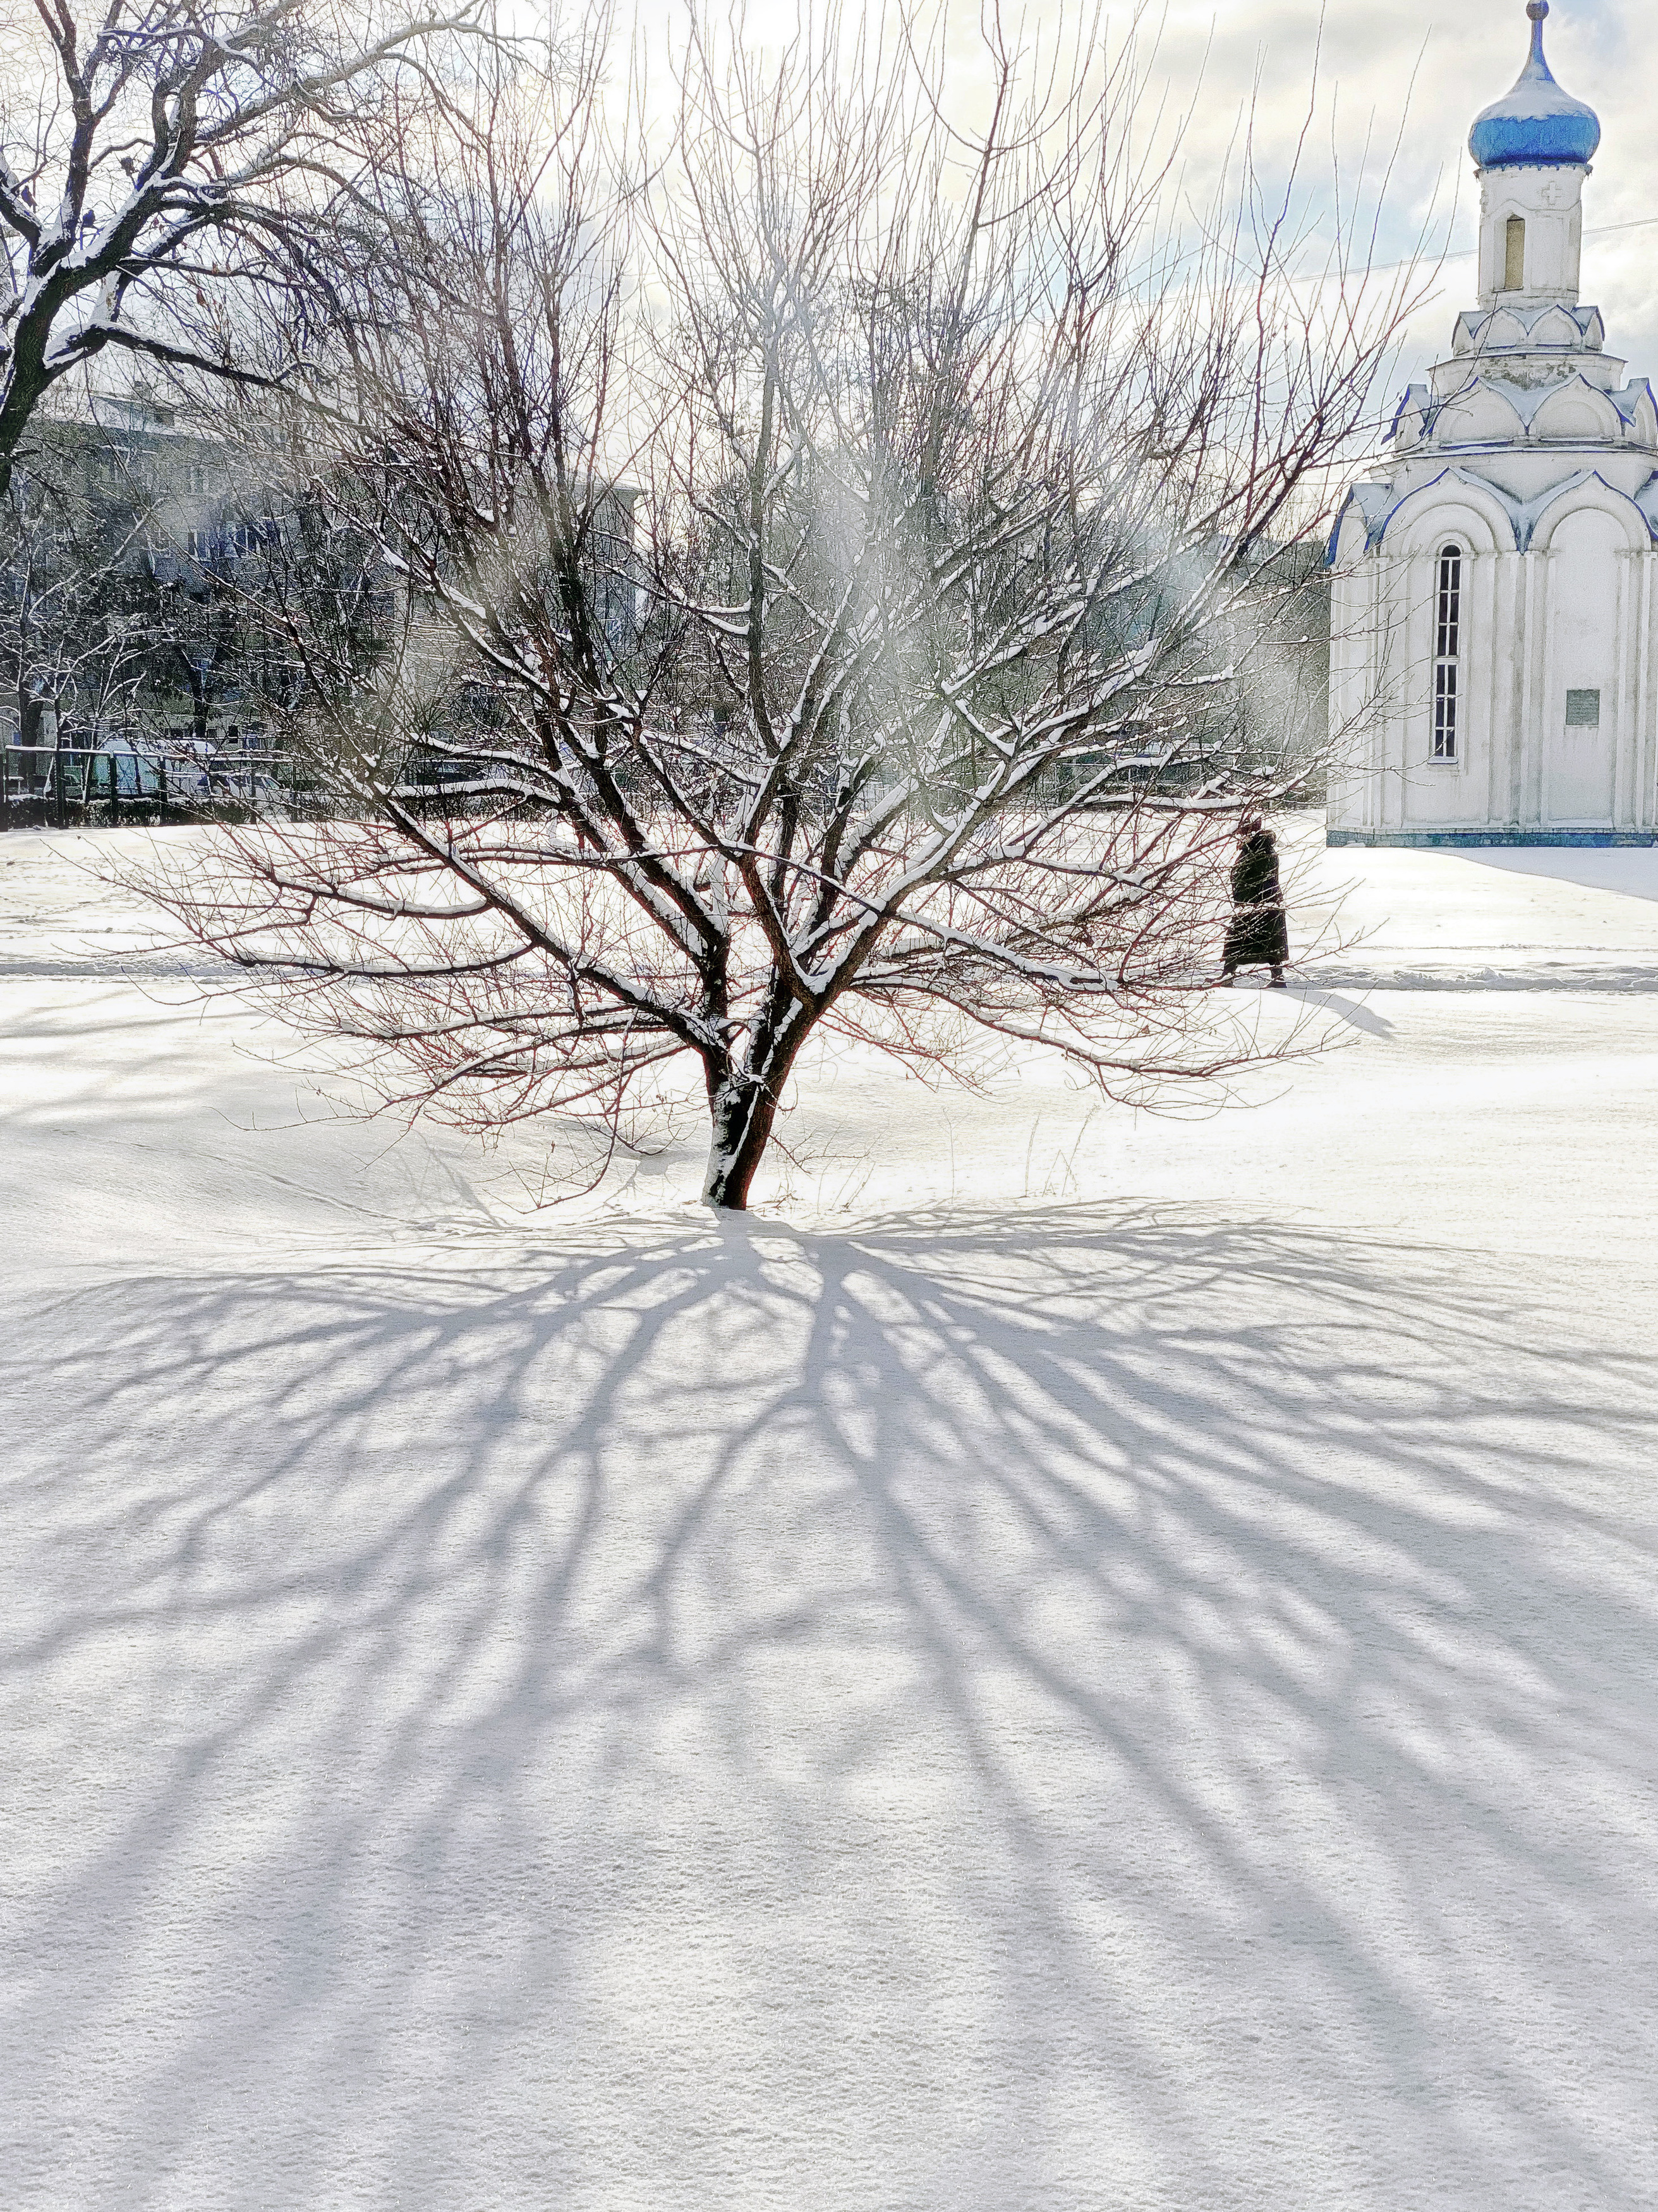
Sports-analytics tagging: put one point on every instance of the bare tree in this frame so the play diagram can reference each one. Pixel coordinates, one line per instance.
(811, 554)
(155, 154)
(73, 632)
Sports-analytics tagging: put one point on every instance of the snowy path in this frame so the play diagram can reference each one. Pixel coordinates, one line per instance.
(1117, 1671)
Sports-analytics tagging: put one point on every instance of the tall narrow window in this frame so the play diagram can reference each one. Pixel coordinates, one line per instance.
(1513, 255)
(1447, 654)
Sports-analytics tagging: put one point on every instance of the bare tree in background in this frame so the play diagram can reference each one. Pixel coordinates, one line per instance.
(155, 154)
(809, 562)
(72, 635)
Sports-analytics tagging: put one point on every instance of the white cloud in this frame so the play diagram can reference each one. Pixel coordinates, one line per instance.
(1422, 75)
(1409, 76)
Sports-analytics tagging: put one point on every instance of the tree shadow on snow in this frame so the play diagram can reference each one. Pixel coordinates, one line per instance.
(956, 1694)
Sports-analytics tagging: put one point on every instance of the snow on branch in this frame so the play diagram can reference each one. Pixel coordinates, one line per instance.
(131, 136)
(815, 591)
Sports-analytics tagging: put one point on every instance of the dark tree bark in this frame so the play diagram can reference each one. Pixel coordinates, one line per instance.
(743, 1110)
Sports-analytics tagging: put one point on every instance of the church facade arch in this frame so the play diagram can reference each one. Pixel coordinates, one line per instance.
(1457, 503)
(1590, 494)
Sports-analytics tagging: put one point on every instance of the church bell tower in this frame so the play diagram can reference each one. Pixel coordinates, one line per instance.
(1495, 592)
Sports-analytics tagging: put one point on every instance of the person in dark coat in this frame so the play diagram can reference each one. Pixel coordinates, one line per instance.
(1258, 937)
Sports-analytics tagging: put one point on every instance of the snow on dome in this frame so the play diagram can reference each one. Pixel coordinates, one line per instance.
(1537, 125)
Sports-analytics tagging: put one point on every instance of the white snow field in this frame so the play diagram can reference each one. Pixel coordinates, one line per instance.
(1072, 1660)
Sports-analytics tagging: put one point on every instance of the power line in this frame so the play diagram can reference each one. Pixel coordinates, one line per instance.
(1471, 252)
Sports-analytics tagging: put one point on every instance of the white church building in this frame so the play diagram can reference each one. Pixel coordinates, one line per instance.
(1494, 616)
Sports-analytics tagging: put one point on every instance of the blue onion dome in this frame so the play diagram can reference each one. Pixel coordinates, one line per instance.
(1536, 125)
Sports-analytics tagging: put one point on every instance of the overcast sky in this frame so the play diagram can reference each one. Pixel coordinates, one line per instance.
(1414, 73)
(1431, 68)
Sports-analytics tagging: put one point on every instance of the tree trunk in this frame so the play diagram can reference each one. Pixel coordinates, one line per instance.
(743, 1109)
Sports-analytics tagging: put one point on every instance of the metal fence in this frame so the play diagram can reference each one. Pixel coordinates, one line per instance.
(85, 785)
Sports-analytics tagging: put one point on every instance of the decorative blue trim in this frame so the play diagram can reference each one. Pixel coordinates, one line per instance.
(1450, 474)
(1524, 518)
(1472, 324)
(1374, 502)
(1428, 839)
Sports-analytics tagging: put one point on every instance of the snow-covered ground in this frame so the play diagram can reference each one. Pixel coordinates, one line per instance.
(1074, 1660)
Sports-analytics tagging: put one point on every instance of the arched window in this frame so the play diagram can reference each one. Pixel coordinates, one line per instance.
(1447, 654)
(1513, 255)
